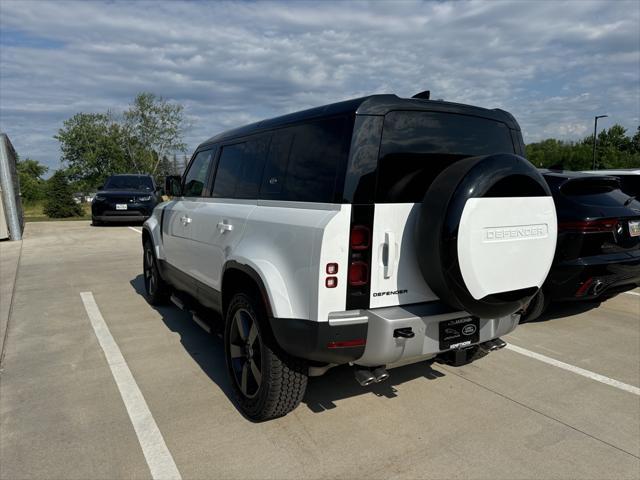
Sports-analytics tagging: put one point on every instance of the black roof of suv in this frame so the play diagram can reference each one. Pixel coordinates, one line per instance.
(369, 105)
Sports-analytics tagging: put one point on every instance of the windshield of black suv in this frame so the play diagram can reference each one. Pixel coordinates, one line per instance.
(417, 146)
(128, 182)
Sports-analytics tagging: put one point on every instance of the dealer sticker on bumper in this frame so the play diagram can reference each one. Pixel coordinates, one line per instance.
(634, 228)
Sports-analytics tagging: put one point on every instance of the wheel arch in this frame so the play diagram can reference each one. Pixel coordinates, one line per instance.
(236, 277)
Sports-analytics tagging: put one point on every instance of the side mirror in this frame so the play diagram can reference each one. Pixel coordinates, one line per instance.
(172, 185)
(100, 187)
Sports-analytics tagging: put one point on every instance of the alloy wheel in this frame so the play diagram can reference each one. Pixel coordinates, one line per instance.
(245, 350)
(150, 274)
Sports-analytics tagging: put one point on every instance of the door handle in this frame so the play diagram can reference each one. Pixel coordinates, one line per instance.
(225, 227)
(185, 220)
(390, 261)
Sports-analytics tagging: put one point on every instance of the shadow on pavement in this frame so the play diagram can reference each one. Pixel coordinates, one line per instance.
(565, 309)
(206, 349)
(339, 383)
(322, 392)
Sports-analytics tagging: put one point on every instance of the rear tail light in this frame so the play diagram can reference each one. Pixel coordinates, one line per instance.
(358, 274)
(581, 292)
(358, 269)
(360, 237)
(347, 343)
(590, 226)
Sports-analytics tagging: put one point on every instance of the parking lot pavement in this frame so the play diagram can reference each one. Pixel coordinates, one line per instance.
(506, 416)
(9, 256)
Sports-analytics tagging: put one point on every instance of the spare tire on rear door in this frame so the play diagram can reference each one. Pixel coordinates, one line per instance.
(486, 234)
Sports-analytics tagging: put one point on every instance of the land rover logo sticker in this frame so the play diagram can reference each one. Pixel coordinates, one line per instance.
(469, 329)
(515, 232)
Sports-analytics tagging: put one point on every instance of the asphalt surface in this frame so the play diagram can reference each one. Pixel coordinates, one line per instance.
(505, 416)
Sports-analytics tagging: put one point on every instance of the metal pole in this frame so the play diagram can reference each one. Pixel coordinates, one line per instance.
(595, 139)
(8, 192)
(595, 127)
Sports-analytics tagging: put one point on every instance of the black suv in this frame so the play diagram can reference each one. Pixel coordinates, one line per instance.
(124, 198)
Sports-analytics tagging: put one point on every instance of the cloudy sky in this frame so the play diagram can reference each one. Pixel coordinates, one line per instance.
(553, 65)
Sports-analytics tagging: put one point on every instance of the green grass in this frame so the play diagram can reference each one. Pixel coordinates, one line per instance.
(33, 213)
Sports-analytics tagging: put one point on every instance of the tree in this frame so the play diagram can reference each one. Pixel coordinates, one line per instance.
(154, 129)
(93, 147)
(32, 186)
(59, 202)
(614, 150)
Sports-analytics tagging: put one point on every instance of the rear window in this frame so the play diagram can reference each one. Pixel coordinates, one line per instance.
(417, 146)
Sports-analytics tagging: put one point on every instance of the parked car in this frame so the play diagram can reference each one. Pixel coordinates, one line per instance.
(124, 198)
(368, 232)
(629, 179)
(598, 251)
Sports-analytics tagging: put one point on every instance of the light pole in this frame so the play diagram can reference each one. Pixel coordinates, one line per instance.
(595, 127)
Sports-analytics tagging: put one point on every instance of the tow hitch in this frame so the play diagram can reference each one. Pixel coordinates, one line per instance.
(463, 356)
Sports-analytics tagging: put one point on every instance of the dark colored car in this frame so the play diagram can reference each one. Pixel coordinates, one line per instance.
(125, 198)
(598, 250)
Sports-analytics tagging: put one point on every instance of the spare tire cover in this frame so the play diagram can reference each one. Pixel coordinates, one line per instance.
(486, 234)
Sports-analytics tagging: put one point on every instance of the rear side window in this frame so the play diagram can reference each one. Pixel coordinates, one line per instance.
(196, 177)
(417, 146)
(240, 169)
(306, 162)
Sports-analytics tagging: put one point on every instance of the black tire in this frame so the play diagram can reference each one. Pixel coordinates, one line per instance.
(436, 235)
(156, 288)
(96, 223)
(267, 382)
(537, 306)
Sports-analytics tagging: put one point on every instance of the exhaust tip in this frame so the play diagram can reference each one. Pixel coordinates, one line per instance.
(493, 345)
(598, 287)
(364, 376)
(381, 374)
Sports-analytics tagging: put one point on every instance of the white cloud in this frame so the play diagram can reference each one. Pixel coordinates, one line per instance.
(552, 64)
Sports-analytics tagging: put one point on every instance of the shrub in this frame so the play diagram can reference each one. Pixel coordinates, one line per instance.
(59, 202)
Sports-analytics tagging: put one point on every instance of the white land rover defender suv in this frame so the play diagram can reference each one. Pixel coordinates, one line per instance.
(370, 232)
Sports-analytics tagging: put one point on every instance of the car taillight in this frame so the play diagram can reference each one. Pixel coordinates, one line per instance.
(360, 237)
(358, 274)
(358, 269)
(589, 226)
(359, 342)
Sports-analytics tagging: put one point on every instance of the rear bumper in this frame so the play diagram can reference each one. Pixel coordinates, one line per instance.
(591, 278)
(331, 341)
(106, 212)
(131, 217)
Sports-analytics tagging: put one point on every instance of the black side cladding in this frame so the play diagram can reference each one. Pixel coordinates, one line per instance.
(501, 175)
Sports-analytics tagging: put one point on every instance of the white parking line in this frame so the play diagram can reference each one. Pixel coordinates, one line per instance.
(135, 230)
(154, 448)
(571, 368)
(633, 293)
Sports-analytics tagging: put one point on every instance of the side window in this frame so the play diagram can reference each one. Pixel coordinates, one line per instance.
(228, 171)
(305, 161)
(277, 161)
(196, 177)
(240, 169)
